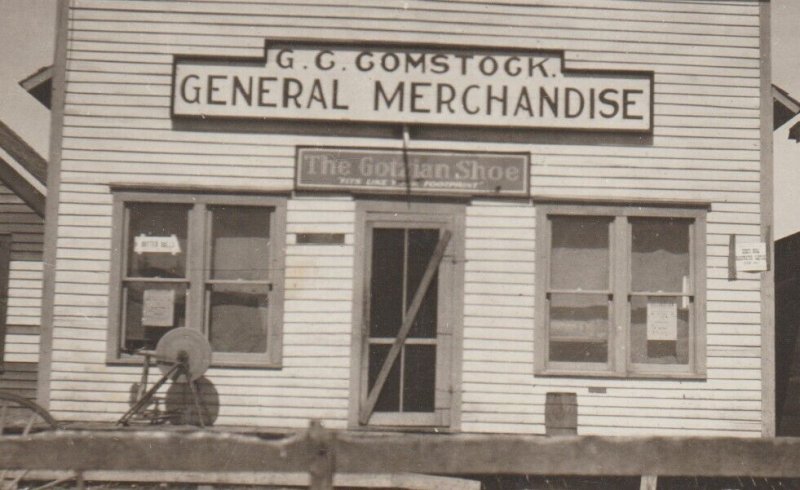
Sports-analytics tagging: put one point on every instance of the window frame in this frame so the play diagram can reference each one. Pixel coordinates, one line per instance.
(198, 219)
(619, 364)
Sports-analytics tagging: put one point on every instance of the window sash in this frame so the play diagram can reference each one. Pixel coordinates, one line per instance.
(620, 293)
(197, 279)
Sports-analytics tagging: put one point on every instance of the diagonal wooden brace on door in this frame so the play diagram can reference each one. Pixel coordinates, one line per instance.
(405, 329)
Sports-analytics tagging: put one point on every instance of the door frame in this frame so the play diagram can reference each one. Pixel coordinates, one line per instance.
(453, 216)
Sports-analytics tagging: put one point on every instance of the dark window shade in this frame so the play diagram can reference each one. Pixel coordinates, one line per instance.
(580, 254)
(238, 307)
(240, 242)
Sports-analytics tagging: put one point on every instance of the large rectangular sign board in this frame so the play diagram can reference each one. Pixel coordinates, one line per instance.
(367, 170)
(400, 84)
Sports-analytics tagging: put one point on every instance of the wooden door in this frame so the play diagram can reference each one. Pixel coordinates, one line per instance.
(408, 315)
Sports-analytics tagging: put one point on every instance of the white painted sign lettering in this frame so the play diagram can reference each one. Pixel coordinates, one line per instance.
(156, 244)
(413, 85)
(751, 257)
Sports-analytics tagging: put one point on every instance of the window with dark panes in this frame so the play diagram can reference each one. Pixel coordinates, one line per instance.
(237, 287)
(621, 290)
(156, 281)
(580, 289)
(213, 263)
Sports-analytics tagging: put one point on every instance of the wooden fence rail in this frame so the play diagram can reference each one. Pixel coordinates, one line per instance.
(321, 453)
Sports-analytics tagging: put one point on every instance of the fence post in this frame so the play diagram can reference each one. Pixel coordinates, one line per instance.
(323, 459)
(649, 482)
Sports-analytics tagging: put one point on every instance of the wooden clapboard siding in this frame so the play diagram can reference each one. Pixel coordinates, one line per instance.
(23, 315)
(705, 146)
(316, 335)
(498, 357)
(19, 378)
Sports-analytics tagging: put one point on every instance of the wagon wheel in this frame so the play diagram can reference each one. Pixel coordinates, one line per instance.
(20, 417)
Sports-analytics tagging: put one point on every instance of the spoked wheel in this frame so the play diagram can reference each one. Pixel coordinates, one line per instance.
(20, 417)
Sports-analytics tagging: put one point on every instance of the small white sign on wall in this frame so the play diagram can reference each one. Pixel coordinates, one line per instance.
(751, 257)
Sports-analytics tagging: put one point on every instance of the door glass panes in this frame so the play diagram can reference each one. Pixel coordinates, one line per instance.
(238, 288)
(421, 244)
(387, 281)
(399, 259)
(579, 257)
(155, 287)
(659, 254)
(389, 399)
(421, 386)
(659, 329)
(579, 327)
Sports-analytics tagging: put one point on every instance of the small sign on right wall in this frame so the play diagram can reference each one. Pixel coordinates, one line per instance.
(750, 257)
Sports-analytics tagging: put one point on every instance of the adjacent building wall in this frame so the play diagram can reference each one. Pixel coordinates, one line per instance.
(705, 147)
(18, 368)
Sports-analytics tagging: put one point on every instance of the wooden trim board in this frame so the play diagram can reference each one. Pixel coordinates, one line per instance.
(51, 208)
(767, 217)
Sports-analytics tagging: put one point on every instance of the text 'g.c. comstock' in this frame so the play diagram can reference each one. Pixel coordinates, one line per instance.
(402, 85)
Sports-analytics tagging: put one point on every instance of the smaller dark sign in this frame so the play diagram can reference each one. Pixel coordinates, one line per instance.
(320, 238)
(369, 170)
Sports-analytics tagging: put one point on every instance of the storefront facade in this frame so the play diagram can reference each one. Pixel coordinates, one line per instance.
(417, 214)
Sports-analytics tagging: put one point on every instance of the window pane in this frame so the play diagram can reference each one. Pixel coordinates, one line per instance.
(238, 320)
(579, 328)
(421, 244)
(580, 252)
(240, 242)
(389, 399)
(419, 378)
(659, 330)
(164, 254)
(151, 310)
(659, 254)
(386, 283)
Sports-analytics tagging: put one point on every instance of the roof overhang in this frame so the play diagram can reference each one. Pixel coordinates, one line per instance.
(40, 85)
(785, 107)
(22, 169)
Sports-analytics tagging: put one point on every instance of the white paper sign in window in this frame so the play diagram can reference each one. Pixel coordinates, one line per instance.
(662, 319)
(158, 308)
(156, 244)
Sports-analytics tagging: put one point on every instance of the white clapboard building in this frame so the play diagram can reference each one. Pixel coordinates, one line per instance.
(22, 205)
(431, 215)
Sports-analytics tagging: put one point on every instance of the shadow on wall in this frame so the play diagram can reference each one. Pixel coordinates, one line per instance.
(178, 407)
